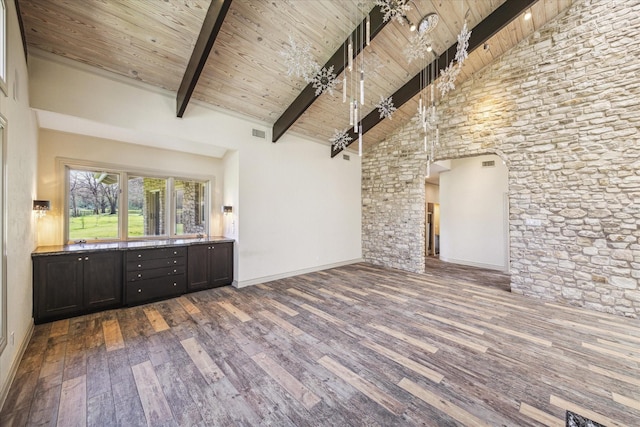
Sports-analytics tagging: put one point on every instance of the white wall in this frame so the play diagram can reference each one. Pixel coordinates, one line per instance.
(54, 145)
(21, 158)
(431, 193)
(297, 209)
(231, 183)
(473, 224)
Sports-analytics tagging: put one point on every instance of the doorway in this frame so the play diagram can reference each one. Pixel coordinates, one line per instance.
(433, 229)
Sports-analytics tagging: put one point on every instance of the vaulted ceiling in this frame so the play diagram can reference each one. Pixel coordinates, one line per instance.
(152, 41)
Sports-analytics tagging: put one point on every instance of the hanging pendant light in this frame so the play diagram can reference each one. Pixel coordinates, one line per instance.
(361, 87)
(350, 53)
(344, 88)
(355, 116)
(368, 30)
(350, 113)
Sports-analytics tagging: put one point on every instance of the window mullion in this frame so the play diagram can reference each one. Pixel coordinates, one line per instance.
(123, 208)
(171, 212)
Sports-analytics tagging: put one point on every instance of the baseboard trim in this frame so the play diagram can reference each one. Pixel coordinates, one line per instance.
(476, 264)
(4, 392)
(251, 282)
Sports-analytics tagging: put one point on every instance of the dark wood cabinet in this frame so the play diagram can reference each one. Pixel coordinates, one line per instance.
(210, 265)
(153, 274)
(102, 275)
(93, 278)
(69, 285)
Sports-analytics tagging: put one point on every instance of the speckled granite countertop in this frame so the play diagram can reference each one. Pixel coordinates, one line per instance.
(123, 246)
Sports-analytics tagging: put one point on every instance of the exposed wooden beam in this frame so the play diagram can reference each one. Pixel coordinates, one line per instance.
(308, 94)
(482, 32)
(210, 28)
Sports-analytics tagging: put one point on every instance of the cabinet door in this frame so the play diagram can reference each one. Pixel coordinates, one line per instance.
(102, 280)
(198, 267)
(221, 264)
(57, 287)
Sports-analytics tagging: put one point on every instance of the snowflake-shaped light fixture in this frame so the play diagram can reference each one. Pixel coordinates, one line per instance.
(299, 61)
(372, 62)
(463, 44)
(340, 139)
(394, 9)
(447, 79)
(324, 81)
(385, 107)
(418, 48)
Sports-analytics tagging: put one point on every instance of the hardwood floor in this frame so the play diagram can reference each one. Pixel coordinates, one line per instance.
(357, 345)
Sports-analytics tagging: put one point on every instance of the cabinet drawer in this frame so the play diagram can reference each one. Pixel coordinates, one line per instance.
(144, 254)
(133, 276)
(147, 264)
(148, 290)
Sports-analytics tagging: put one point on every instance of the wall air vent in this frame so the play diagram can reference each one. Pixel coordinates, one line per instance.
(258, 133)
(346, 156)
(489, 164)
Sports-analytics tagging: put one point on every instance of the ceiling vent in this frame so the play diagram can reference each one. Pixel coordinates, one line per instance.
(346, 156)
(258, 133)
(489, 164)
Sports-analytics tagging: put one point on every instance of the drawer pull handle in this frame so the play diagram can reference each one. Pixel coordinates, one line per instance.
(86, 258)
(175, 252)
(175, 284)
(80, 259)
(139, 275)
(175, 271)
(175, 262)
(139, 265)
(139, 255)
(139, 290)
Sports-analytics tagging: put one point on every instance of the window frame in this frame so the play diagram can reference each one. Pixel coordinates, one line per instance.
(124, 173)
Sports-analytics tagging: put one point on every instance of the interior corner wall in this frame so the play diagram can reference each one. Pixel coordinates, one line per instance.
(473, 227)
(299, 209)
(21, 164)
(393, 202)
(563, 109)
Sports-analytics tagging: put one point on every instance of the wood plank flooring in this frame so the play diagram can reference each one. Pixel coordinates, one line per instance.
(353, 346)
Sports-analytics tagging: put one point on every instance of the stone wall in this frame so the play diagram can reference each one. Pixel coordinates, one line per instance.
(190, 213)
(563, 110)
(393, 202)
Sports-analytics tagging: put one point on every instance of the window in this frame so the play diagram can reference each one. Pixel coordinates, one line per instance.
(190, 207)
(102, 207)
(93, 205)
(147, 198)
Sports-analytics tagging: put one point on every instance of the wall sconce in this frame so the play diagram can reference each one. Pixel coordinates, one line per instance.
(227, 210)
(40, 207)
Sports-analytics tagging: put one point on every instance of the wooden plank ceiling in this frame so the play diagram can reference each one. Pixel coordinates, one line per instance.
(152, 41)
